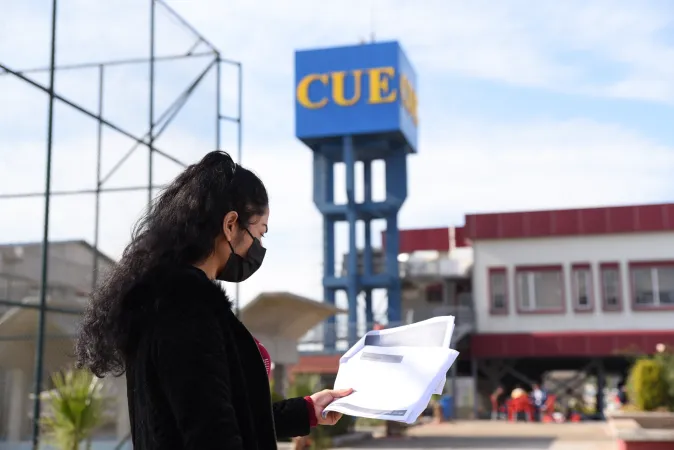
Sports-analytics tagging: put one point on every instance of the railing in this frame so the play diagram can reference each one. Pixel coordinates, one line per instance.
(462, 311)
(441, 267)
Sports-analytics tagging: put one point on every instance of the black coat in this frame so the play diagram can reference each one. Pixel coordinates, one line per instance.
(195, 376)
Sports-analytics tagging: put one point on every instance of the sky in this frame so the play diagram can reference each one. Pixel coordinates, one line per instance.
(522, 105)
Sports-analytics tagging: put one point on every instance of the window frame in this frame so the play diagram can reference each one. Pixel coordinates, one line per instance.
(619, 289)
(541, 268)
(652, 265)
(575, 268)
(490, 291)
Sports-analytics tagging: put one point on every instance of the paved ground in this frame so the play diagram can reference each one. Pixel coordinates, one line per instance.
(453, 443)
(483, 435)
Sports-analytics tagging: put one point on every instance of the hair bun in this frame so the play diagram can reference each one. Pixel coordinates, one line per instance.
(221, 161)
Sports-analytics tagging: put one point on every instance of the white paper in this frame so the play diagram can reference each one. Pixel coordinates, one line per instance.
(394, 372)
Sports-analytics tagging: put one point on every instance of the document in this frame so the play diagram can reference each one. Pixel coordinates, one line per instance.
(394, 372)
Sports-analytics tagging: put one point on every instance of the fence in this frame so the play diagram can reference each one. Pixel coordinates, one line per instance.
(113, 137)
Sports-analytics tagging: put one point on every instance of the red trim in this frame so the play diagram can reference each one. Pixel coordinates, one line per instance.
(571, 222)
(633, 294)
(548, 268)
(574, 303)
(311, 410)
(316, 364)
(461, 237)
(421, 239)
(437, 239)
(571, 344)
(492, 311)
(604, 306)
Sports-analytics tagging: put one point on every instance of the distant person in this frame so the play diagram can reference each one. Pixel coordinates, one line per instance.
(519, 403)
(495, 403)
(622, 394)
(538, 399)
(196, 378)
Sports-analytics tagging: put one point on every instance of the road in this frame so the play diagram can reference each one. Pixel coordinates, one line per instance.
(483, 435)
(481, 443)
(458, 443)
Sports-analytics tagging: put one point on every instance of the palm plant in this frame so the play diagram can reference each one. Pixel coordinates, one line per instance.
(74, 408)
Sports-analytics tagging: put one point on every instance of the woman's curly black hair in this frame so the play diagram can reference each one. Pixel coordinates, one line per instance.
(180, 228)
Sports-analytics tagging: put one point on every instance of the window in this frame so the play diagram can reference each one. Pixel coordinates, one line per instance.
(434, 293)
(540, 289)
(498, 291)
(581, 285)
(611, 291)
(652, 285)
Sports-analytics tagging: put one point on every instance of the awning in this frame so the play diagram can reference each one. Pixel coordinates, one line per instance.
(18, 332)
(285, 315)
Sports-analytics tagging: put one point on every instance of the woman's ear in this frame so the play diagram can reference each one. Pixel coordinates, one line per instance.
(229, 225)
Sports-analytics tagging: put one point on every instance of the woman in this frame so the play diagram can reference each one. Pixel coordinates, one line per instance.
(196, 378)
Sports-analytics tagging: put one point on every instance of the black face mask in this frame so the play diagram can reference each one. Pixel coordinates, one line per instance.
(239, 268)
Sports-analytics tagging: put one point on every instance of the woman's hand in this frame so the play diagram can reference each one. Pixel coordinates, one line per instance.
(322, 399)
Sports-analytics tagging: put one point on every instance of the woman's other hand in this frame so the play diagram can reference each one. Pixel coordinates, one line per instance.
(322, 399)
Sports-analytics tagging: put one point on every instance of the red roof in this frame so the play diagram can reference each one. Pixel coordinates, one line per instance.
(551, 223)
(571, 222)
(439, 239)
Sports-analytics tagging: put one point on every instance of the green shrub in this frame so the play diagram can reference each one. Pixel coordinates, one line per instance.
(666, 359)
(275, 396)
(303, 385)
(648, 386)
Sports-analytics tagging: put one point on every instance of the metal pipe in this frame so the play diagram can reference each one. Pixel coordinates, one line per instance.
(229, 119)
(187, 25)
(78, 192)
(99, 150)
(239, 156)
(150, 147)
(44, 276)
(218, 101)
(166, 117)
(88, 113)
(239, 115)
(116, 62)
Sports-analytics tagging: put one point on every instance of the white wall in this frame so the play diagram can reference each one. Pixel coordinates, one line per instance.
(70, 264)
(621, 248)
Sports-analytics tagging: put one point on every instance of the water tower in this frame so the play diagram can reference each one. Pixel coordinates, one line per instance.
(358, 103)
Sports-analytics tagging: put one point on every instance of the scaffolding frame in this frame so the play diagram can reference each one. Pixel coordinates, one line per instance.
(157, 124)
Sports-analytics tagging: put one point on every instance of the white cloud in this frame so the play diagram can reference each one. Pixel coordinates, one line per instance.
(466, 166)
(517, 42)
(479, 167)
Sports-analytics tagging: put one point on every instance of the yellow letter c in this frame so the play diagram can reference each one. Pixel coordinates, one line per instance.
(303, 91)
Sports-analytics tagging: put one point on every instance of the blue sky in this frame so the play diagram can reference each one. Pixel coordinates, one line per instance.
(523, 105)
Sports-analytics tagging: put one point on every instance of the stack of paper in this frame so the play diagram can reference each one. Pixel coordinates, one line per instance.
(394, 372)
